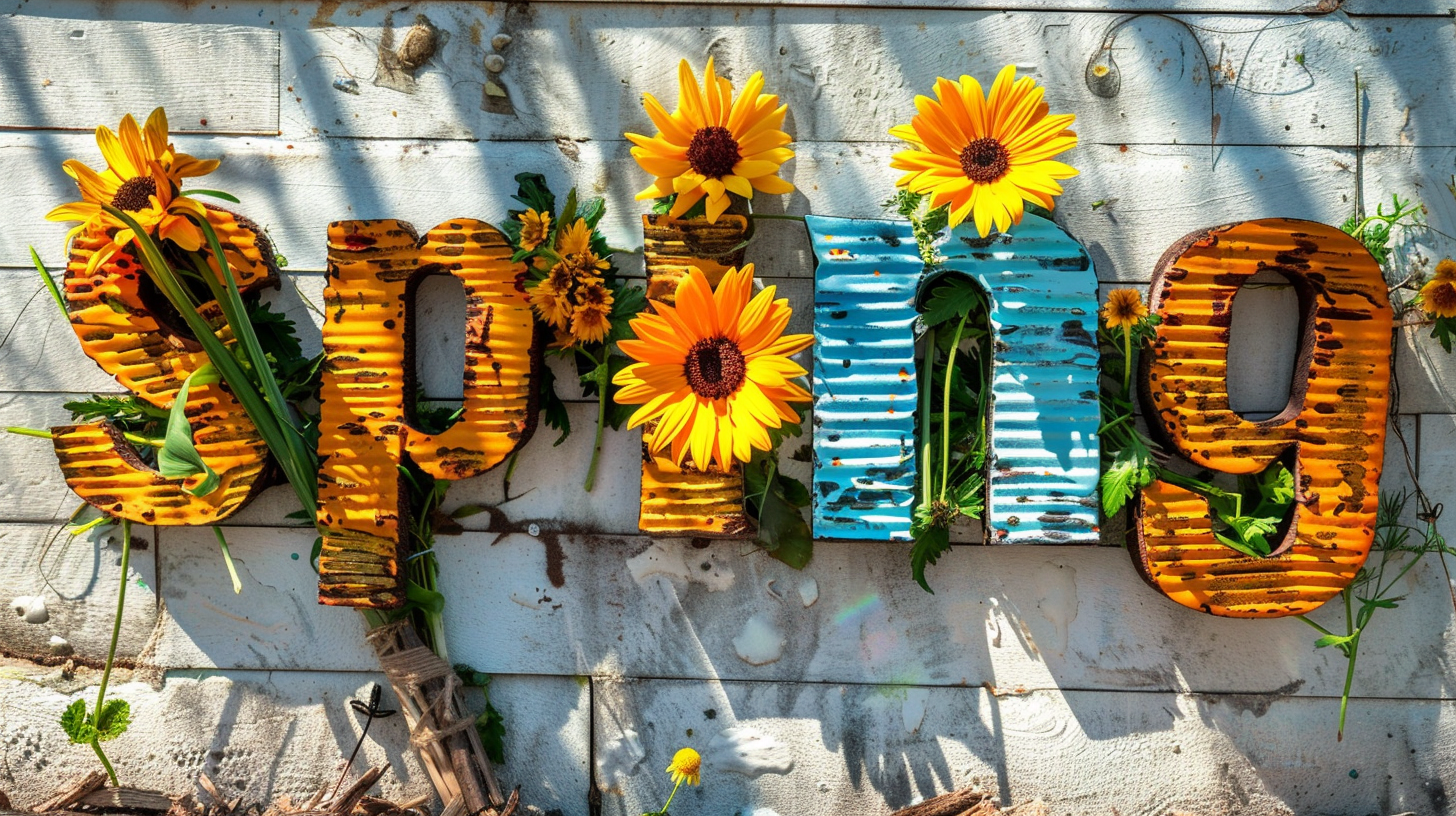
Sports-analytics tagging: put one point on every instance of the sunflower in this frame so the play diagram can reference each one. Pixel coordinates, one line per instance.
(143, 177)
(590, 318)
(984, 155)
(1438, 296)
(535, 227)
(572, 297)
(686, 766)
(713, 145)
(713, 371)
(1123, 309)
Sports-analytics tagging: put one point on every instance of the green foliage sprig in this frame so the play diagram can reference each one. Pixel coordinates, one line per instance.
(597, 361)
(776, 501)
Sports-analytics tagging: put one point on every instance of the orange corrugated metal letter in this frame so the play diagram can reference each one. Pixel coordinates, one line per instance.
(114, 321)
(374, 267)
(1333, 426)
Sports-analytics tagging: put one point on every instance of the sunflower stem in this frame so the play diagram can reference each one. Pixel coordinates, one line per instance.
(1126, 361)
(35, 432)
(111, 651)
(945, 407)
(670, 796)
(927, 441)
(599, 374)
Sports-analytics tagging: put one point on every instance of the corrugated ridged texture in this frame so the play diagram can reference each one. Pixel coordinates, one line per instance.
(865, 280)
(373, 269)
(687, 500)
(1336, 416)
(151, 359)
(1044, 415)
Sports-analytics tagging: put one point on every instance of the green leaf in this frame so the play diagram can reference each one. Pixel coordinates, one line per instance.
(421, 598)
(76, 725)
(113, 720)
(178, 457)
(126, 411)
(468, 510)
(1130, 471)
(782, 530)
(568, 210)
(531, 190)
(627, 303)
(214, 194)
(930, 544)
(1276, 485)
(592, 212)
(952, 298)
(492, 730)
(1334, 640)
(553, 407)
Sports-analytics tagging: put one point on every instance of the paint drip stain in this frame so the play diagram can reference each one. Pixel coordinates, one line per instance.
(748, 751)
(760, 643)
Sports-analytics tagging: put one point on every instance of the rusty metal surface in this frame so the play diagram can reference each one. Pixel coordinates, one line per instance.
(374, 267)
(1335, 420)
(1044, 460)
(865, 279)
(687, 500)
(151, 358)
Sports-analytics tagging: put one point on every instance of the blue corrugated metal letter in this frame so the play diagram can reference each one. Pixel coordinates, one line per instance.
(1044, 414)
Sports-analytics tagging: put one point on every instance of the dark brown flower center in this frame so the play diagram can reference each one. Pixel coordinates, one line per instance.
(715, 368)
(985, 160)
(135, 194)
(713, 152)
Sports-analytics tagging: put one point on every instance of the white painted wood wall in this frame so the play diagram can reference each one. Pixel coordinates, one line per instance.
(1039, 672)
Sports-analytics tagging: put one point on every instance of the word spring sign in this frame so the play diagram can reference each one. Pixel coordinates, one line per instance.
(1043, 458)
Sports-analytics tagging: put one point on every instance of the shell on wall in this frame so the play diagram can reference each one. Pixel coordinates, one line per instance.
(373, 269)
(865, 279)
(1043, 458)
(1334, 423)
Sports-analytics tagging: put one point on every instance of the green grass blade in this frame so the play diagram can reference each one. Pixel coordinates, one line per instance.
(50, 284)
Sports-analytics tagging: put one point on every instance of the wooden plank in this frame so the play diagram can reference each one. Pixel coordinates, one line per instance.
(1126, 207)
(1028, 617)
(82, 72)
(274, 623)
(259, 735)
(848, 74)
(1412, 8)
(84, 574)
(854, 749)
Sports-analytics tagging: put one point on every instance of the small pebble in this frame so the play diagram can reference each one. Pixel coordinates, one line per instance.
(1354, 774)
(59, 645)
(495, 63)
(534, 529)
(500, 41)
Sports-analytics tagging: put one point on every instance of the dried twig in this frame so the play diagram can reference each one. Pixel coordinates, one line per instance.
(73, 794)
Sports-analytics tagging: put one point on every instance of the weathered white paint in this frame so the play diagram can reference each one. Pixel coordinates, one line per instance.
(1046, 672)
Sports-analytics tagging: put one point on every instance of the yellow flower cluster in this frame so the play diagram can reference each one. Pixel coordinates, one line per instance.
(1438, 296)
(572, 298)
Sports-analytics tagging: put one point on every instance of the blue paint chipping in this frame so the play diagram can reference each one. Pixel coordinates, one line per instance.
(1044, 411)
(864, 377)
(1042, 483)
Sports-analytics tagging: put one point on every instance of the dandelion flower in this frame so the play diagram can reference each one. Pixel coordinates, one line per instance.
(686, 766)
